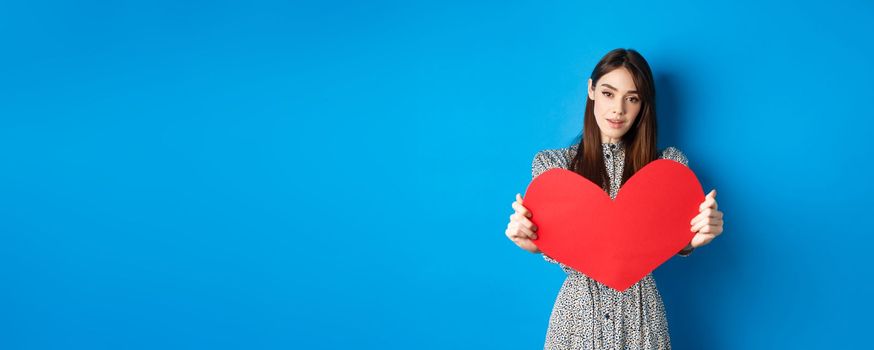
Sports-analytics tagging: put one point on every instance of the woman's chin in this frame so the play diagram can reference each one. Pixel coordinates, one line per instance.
(613, 135)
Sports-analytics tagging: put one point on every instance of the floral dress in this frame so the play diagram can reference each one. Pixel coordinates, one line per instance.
(588, 314)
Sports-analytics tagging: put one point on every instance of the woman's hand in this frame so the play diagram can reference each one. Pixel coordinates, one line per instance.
(708, 223)
(521, 230)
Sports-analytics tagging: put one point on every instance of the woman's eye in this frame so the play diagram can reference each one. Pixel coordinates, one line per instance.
(606, 93)
(634, 100)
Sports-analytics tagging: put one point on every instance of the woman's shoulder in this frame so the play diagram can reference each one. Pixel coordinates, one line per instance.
(551, 158)
(674, 154)
(557, 156)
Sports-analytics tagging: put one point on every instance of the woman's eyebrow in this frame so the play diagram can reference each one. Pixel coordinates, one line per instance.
(611, 87)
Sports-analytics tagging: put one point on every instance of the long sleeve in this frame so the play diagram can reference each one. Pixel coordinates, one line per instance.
(674, 154)
(538, 165)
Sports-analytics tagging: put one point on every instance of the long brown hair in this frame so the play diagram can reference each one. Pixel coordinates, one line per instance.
(640, 140)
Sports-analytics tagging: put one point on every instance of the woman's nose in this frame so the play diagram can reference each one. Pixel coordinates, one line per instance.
(619, 109)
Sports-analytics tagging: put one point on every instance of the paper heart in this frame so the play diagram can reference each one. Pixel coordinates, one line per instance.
(616, 242)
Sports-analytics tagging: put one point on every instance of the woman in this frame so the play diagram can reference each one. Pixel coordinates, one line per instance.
(619, 138)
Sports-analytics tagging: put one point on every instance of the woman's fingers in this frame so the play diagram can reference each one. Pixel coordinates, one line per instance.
(517, 217)
(517, 220)
(519, 199)
(704, 223)
(713, 229)
(708, 213)
(697, 226)
(707, 208)
(527, 244)
(701, 221)
(514, 232)
(523, 221)
(520, 227)
(709, 201)
(524, 232)
(527, 223)
(701, 216)
(517, 206)
(701, 239)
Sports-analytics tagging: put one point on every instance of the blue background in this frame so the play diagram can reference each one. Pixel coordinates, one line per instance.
(327, 175)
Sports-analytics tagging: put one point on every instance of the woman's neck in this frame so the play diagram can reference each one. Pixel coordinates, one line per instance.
(607, 139)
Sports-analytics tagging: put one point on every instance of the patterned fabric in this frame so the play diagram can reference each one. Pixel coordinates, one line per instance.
(588, 314)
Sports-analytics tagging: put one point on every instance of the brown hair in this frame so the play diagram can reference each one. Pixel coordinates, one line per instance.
(640, 140)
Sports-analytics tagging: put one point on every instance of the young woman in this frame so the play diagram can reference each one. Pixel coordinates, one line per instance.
(619, 138)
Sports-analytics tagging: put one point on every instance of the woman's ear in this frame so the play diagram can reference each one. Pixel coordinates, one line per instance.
(590, 90)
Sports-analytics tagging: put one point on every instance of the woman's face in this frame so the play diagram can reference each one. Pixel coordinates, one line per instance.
(616, 103)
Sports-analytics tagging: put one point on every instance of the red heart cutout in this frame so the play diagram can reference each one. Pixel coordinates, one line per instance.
(616, 242)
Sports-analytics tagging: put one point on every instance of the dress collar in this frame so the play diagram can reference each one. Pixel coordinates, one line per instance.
(613, 146)
(607, 146)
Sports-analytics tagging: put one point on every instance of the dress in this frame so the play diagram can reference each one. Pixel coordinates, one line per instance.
(588, 314)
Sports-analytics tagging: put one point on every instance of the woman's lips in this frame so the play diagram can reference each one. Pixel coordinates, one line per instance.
(615, 124)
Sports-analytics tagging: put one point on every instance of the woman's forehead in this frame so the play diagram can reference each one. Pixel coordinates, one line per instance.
(618, 79)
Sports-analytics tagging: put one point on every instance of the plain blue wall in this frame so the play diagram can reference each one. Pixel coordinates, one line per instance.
(335, 175)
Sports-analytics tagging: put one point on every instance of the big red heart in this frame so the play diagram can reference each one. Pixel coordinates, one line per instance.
(616, 242)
